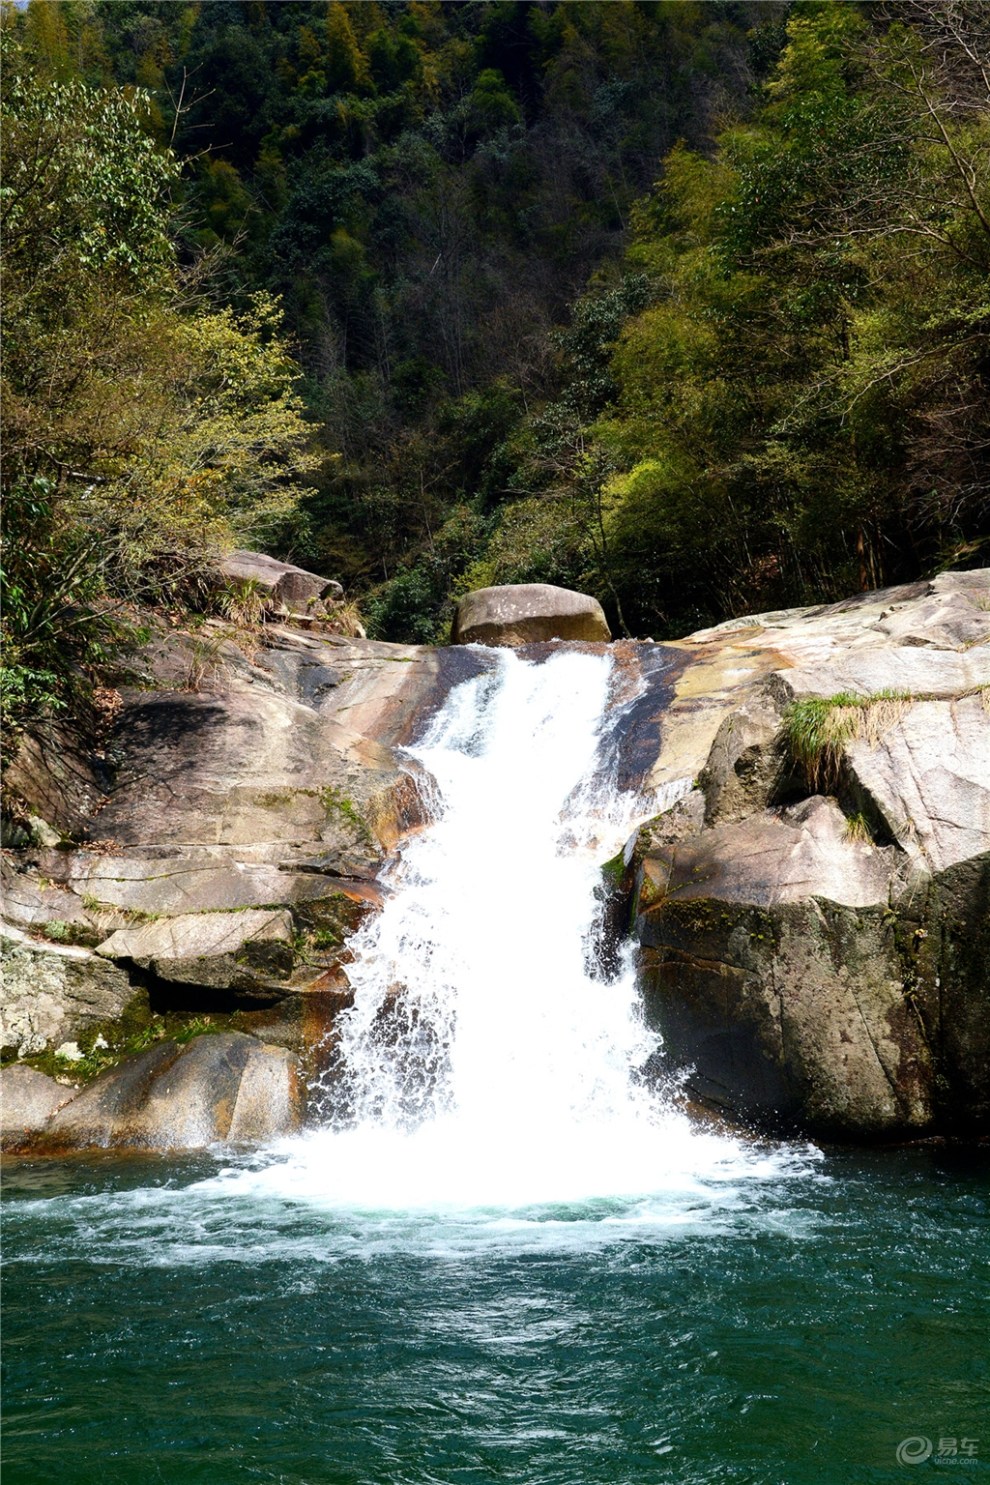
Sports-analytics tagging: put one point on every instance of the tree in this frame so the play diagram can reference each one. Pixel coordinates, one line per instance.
(801, 407)
(142, 430)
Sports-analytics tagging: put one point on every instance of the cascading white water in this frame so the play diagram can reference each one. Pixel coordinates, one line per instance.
(473, 998)
(487, 1061)
(474, 1006)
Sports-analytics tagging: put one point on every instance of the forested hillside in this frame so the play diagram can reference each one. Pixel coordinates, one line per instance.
(682, 304)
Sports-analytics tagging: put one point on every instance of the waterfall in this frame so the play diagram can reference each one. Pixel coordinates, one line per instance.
(489, 1059)
(478, 999)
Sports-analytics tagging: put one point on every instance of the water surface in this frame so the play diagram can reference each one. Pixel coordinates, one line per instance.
(170, 1321)
(506, 1255)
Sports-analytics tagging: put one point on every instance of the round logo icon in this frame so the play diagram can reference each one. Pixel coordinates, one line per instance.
(914, 1450)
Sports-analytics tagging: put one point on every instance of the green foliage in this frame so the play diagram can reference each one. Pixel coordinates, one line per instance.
(84, 187)
(427, 188)
(56, 634)
(491, 105)
(799, 407)
(546, 340)
(142, 430)
(406, 609)
(817, 729)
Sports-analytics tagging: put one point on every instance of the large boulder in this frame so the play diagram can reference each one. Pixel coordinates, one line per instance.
(287, 588)
(242, 952)
(526, 613)
(227, 1087)
(770, 960)
(815, 942)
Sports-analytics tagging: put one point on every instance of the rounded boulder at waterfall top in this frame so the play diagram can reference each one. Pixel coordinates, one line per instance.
(526, 613)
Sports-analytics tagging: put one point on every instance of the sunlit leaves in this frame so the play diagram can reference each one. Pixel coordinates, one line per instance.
(142, 430)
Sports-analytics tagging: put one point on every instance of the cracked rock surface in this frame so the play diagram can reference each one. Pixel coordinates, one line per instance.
(816, 953)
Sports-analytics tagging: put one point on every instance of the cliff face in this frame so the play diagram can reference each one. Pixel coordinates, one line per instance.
(218, 853)
(812, 907)
(814, 914)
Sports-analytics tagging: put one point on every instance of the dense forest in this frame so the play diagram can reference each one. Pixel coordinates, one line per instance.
(682, 304)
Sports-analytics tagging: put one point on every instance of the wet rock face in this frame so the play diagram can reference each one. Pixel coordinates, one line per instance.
(817, 953)
(28, 1101)
(526, 613)
(792, 1016)
(852, 1022)
(226, 1087)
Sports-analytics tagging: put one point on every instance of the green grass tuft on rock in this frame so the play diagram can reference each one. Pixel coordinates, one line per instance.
(817, 729)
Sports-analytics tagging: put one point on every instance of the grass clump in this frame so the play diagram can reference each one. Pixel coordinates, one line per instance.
(198, 1026)
(327, 938)
(817, 729)
(243, 601)
(857, 829)
(111, 1042)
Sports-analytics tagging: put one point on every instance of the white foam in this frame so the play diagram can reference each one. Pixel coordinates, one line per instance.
(487, 1062)
(491, 1068)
